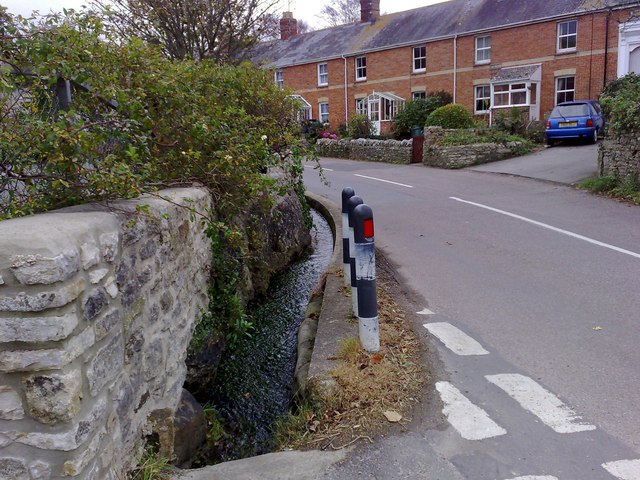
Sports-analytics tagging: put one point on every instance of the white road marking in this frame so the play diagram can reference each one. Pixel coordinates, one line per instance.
(543, 404)
(550, 227)
(381, 180)
(535, 477)
(471, 422)
(425, 311)
(315, 168)
(624, 469)
(455, 340)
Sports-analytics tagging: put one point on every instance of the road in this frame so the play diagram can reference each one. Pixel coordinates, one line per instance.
(531, 291)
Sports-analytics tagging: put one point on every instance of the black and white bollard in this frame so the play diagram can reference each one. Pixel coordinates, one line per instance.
(365, 275)
(352, 203)
(347, 193)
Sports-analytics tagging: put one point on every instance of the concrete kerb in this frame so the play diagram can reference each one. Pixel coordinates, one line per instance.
(319, 336)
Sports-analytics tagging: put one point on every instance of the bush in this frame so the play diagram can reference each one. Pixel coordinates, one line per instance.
(416, 112)
(450, 116)
(621, 103)
(360, 126)
(512, 122)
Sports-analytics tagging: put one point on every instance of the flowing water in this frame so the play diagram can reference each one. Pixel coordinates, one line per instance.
(254, 382)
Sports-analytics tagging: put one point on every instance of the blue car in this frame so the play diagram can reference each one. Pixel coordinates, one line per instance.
(577, 119)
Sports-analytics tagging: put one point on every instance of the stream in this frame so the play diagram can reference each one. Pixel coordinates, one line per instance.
(254, 382)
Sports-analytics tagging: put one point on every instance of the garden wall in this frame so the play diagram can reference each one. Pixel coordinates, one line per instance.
(96, 311)
(461, 156)
(619, 155)
(390, 151)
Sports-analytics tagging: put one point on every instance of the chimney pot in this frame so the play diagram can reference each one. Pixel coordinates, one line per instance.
(288, 26)
(369, 10)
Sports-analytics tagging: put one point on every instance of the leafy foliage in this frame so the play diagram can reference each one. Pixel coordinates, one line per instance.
(450, 116)
(621, 103)
(468, 137)
(512, 122)
(137, 120)
(360, 126)
(416, 112)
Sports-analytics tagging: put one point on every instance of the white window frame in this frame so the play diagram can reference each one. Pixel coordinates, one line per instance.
(562, 36)
(486, 97)
(361, 68)
(323, 116)
(419, 59)
(564, 91)
(278, 77)
(483, 50)
(323, 74)
(418, 94)
(510, 92)
(361, 106)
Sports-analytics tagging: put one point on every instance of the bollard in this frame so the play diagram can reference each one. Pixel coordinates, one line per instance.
(347, 193)
(365, 255)
(351, 204)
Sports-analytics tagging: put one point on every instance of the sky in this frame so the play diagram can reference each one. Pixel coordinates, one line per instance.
(302, 9)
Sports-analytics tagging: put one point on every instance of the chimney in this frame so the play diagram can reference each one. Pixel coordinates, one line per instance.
(288, 26)
(369, 10)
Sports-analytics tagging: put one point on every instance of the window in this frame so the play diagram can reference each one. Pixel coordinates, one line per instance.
(323, 74)
(510, 95)
(482, 98)
(323, 108)
(483, 49)
(279, 78)
(361, 68)
(419, 59)
(565, 89)
(567, 36)
(361, 106)
(417, 95)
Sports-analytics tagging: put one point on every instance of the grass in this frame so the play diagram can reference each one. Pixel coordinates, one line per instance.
(152, 466)
(465, 137)
(628, 189)
(366, 386)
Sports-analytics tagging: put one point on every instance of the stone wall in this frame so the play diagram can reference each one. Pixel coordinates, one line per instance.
(461, 156)
(96, 312)
(619, 155)
(390, 151)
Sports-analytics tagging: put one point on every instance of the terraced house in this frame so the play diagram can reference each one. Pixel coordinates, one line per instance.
(489, 54)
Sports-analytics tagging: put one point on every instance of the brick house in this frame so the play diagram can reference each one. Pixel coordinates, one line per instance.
(490, 55)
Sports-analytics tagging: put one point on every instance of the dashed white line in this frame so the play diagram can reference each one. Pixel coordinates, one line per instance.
(381, 180)
(455, 339)
(470, 421)
(316, 168)
(624, 469)
(543, 404)
(535, 477)
(550, 227)
(425, 311)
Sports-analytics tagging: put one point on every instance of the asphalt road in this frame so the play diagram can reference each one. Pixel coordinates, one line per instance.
(545, 279)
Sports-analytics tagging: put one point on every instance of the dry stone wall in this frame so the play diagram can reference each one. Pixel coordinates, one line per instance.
(619, 155)
(389, 151)
(96, 312)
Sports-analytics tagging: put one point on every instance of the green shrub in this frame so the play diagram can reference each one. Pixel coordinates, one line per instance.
(416, 112)
(621, 103)
(512, 122)
(360, 126)
(450, 116)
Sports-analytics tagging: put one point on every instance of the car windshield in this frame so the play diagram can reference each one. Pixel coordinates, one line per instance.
(575, 110)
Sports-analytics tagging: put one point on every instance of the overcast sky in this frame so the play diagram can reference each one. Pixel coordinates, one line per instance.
(302, 9)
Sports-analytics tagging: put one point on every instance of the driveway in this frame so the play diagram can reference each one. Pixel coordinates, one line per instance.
(566, 163)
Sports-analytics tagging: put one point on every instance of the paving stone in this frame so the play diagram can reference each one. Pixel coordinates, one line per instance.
(89, 255)
(36, 269)
(53, 398)
(24, 302)
(96, 275)
(109, 242)
(106, 365)
(13, 469)
(10, 404)
(93, 304)
(37, 329)
(40, 470)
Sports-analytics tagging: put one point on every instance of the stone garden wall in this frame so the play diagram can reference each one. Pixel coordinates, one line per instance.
(390, 151)
(461, 156)
(619, 155)
(96, 312)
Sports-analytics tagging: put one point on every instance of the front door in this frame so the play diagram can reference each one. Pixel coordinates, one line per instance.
(374, 114)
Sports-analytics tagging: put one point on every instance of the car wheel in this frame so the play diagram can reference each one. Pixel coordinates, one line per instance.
(550, 142)
(594, 137)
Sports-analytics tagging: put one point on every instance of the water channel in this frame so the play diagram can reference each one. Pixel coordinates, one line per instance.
(254, 382)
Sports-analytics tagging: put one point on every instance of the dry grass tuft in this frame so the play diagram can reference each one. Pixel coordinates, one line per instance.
(366, 386)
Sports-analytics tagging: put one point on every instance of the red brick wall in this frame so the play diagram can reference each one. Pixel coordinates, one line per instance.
(391, 70)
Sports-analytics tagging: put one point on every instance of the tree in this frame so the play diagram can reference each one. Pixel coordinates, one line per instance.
(341, 12)
(196, 29)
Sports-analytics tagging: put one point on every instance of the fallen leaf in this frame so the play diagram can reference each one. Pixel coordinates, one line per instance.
(377, 358)
(393, 417)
